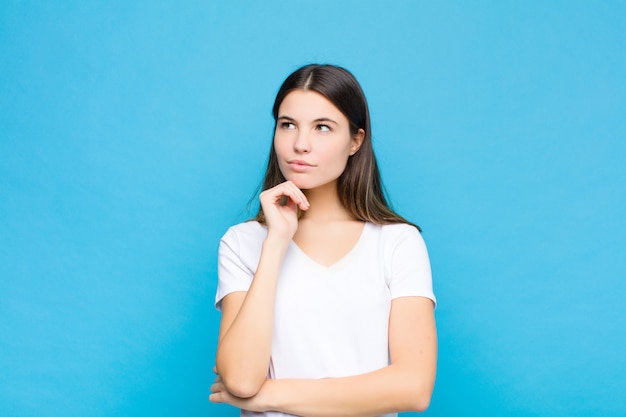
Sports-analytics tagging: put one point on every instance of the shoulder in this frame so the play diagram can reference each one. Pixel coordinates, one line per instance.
(395, 239)
(247, 236)
(400, 243)
(393, 234)
(406, 261)
(246, 230)
(399, 228)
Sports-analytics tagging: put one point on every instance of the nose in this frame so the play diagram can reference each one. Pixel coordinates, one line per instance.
(302, 143)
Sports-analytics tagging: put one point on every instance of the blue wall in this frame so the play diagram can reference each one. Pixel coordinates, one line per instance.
(133, 133)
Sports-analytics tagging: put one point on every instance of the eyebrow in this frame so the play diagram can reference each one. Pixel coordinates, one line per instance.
(326, 119)
(321, 119)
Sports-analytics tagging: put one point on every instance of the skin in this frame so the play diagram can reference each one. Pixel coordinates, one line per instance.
(312, 132)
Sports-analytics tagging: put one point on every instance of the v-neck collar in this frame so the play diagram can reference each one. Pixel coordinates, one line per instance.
(341, 261)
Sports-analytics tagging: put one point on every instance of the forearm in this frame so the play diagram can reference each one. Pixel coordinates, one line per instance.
(392, 389)
(244, 349)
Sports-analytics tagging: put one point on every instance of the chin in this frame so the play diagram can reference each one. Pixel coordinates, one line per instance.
(298, 181)
(310, 182)
(303, 185)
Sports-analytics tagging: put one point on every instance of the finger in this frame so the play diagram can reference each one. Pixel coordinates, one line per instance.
(281, 195)
(286, 189)
(292, 194)
(304, 206)
(303, 201)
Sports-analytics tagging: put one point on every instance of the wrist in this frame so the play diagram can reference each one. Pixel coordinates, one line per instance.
(275, 241)
(268, 398)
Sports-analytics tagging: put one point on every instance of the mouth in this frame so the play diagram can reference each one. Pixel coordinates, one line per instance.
(299, 166)
(299, 162)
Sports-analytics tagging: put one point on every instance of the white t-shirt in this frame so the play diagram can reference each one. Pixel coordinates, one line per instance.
(330, 321)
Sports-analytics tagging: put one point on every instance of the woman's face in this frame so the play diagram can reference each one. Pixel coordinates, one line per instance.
(312, 140)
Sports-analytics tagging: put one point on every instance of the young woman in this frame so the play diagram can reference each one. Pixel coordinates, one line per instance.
(326, 297)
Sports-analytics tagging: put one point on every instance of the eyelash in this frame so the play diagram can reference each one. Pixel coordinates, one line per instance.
(321, 127)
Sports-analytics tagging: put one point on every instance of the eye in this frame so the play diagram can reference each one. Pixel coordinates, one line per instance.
(287, 125)
(323, 128)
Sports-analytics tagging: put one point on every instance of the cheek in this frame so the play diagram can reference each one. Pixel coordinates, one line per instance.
(279, 149)
(336, 160)
(341, 154)
(280, 143)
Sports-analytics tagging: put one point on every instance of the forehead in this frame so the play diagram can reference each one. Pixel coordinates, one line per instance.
(309, 105)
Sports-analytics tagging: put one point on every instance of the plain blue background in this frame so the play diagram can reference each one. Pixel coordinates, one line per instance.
(132, 134)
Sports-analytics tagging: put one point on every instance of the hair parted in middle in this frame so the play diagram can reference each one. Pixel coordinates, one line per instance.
(359, 187)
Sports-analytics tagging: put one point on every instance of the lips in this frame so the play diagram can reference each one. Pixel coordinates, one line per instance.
(299, 165)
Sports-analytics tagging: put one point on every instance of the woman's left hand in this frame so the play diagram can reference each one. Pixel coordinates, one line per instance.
(220, 395)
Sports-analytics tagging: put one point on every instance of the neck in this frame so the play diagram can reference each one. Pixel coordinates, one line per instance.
(325, 205)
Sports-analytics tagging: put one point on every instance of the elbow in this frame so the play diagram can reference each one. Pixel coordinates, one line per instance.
(420, 403)
(242, 387)
(418, 398)
(239, 378)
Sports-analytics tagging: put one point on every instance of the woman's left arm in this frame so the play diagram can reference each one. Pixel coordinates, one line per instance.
(405, 385)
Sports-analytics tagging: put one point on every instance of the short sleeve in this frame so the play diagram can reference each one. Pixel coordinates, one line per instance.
(409, 267)
(233, 273)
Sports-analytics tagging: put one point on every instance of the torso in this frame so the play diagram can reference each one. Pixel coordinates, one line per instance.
(333, 297)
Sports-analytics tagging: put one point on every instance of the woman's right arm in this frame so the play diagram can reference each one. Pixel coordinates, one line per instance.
(244, 346)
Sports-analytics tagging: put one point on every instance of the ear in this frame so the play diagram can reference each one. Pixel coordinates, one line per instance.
(357, 141)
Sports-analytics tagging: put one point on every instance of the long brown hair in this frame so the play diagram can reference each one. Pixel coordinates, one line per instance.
(359, 187)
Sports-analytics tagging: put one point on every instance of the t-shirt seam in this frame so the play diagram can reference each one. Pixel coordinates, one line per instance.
(389, 262)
